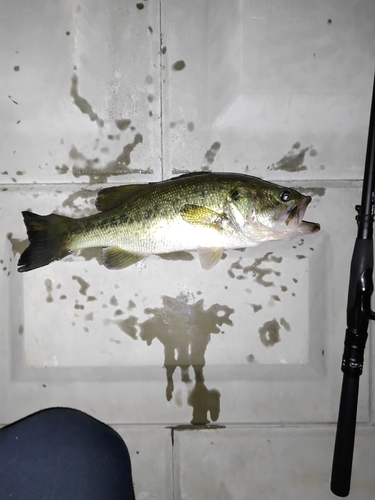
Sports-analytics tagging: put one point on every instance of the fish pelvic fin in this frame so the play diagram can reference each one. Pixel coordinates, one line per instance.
(48, 240)
(209, 257)
(117, 258)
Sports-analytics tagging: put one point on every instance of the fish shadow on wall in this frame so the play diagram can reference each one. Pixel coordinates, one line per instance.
(184, 328)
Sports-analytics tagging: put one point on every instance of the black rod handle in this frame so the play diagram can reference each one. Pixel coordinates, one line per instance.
(345, 435)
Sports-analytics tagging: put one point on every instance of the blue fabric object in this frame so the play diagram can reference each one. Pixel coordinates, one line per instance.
(63, 454)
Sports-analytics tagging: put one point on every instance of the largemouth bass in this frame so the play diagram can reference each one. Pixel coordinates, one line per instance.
(204, 212)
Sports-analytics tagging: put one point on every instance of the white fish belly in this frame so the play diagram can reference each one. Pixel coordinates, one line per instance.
(173, 236)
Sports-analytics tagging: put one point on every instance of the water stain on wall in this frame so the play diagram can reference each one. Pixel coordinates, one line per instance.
(269, 333)
(312, 191)
(179, 65)
(257, 272)
(204, 401)
(211, 153)
(185, 256)
(82, 104)
(285, 324)
(120, 166)
(128, 326)
(184, 328)
(85, 205)
(124, 158)
(49, 289)
(62, 170)
(131, 305)
(18, 246)
(293, 160)
(122, 124)
(83, 285)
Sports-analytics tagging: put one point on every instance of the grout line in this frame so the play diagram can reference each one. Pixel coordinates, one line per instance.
(161, 93)
(173, 465)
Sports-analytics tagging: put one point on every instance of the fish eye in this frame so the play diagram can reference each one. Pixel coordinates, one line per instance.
(285, 195)
(235, 195)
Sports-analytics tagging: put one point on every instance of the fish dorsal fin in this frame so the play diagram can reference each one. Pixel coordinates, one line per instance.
(113, 197)
(193, 174)
(209, 257)
(117, 258)
(201, 216)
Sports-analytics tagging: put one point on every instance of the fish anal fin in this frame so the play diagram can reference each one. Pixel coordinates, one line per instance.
(113, 197)
(201, 216)
(117, 258)
(209, 257)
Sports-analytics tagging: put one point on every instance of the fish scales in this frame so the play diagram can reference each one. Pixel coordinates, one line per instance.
(155, 226)
(206, 212)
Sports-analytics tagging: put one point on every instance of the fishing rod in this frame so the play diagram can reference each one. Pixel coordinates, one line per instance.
(358, 314)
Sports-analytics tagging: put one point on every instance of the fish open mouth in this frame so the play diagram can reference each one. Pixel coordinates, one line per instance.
(296, 212)
(295, 222)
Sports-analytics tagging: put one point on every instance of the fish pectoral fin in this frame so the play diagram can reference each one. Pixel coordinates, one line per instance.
(113, 197)
(117, 258)
(201, 216)
(209, 257)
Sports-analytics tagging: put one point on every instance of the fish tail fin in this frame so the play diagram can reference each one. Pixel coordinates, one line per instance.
(48, 240)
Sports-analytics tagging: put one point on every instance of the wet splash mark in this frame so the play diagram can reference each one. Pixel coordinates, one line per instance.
(131, 305)
(124, 160)
(82, 104)
(258, 273)
(179, 65)
(204, 401)
(184, 328)
(190, 127)
(285, 324)
(312, 191)
(49, 289)
(211, 154)
(122, 124)
(62, 170)
(185, 256)
(83, 285)
(4, 268)
(113, 301)
(18, 246)
(120, 166)
(91, 254)
(269, 333)
(293, 160)
(128, 326)
(11, 98)
(85, 205)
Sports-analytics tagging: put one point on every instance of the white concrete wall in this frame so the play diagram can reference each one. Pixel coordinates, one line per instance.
(97, 93)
